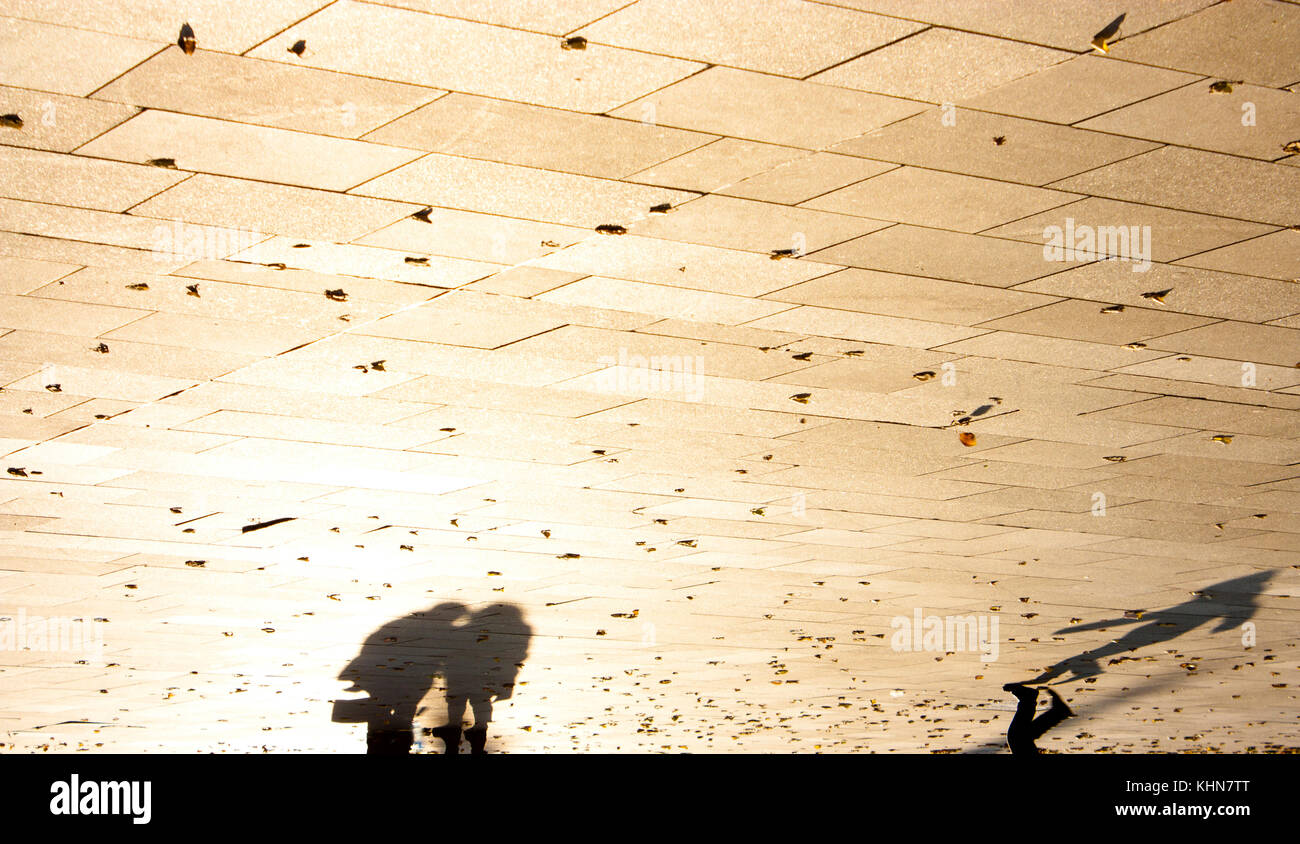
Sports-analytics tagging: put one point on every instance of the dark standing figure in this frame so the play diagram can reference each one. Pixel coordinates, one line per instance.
(1025, 729)
(495, 649)
(477, 654)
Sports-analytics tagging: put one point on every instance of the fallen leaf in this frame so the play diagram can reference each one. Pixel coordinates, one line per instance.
(266, 524)
(1101, 41)
(187, 41)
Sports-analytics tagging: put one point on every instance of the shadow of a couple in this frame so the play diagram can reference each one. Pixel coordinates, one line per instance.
(477, 655)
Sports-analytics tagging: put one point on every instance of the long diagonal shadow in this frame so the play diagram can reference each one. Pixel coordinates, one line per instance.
(1234, 601)
(476, 654)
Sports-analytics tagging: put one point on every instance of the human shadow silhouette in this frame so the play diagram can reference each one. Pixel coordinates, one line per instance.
(1025, 729)
(477, 654)
(1234, 601)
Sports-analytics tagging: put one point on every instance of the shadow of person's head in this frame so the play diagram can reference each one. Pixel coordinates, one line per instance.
(506, 619)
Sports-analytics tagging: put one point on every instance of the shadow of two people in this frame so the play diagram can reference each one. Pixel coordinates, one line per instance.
(477, 654)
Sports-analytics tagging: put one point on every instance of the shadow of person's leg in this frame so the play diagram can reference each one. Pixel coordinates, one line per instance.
(1020, 737)
(386, 742)
(477, 735)
(450, 732)
(388, 732)
(1049, 719)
